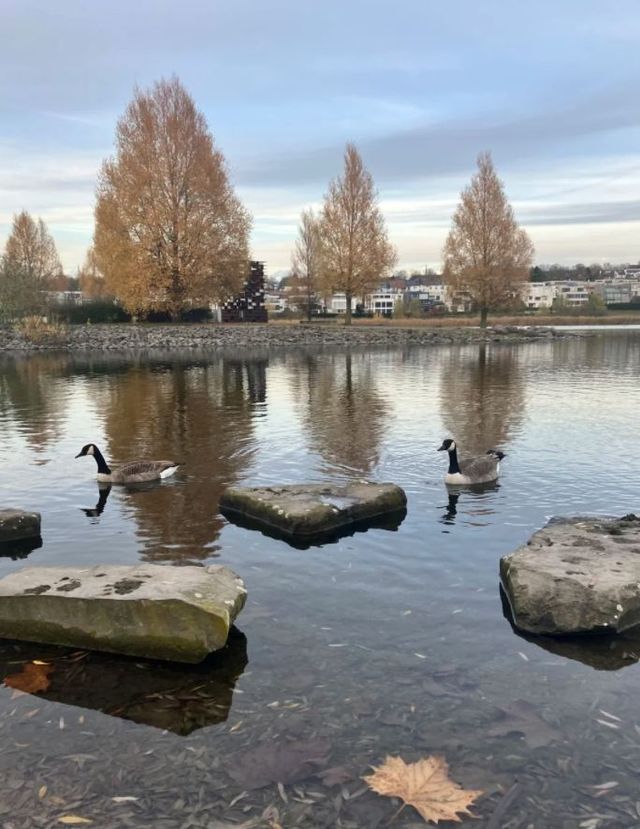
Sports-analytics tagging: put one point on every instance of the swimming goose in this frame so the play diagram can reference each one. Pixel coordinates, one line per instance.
(481, 470)
(133, 472)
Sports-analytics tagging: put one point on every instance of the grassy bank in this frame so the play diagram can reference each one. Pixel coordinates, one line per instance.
(612, 318)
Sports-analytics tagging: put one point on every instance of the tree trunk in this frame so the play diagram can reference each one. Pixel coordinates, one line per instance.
(484, 313)
(347, 319)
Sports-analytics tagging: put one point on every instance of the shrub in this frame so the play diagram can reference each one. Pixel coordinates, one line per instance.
(39, 330)
(102, 310)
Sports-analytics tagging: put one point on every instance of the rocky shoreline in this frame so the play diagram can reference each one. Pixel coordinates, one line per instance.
(144, 337)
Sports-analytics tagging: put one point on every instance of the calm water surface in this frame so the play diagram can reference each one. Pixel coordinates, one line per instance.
(386, 642)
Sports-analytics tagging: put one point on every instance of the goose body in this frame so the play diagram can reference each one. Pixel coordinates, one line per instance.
(480, 470)
(132, 472)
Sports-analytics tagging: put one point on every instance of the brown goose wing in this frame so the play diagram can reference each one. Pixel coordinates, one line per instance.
(142, 470)
(482, 468)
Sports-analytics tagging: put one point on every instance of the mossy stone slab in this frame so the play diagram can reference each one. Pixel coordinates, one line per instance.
(18, 524)
(306, 511)
(149, 610)
(576, 576)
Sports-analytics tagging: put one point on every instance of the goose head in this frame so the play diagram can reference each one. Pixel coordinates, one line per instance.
(87, 449)
(448, 445)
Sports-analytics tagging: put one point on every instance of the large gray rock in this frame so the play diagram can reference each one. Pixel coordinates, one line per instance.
(149, 610)
(577, 575)
(307, 511)
(16, 524)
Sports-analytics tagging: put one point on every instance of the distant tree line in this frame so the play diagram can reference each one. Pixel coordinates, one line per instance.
(171, 235)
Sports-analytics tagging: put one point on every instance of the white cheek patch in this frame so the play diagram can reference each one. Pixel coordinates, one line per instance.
(90, 452)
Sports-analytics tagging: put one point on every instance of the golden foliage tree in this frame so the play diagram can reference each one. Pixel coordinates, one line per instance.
(90, 279)
(30, 265)
(170, 231)
(487, 254)
(356, 251)
(306, 263)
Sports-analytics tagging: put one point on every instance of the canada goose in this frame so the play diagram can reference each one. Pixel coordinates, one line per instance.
(133, 472)
(481, 470)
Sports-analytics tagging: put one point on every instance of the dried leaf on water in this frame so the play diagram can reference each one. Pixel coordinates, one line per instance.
(33, 678)
(279, 762)
(425, 785)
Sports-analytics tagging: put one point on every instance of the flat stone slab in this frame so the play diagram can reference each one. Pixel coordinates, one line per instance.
(149, 610)
(17, 524)
(576, 576)
(307, 511)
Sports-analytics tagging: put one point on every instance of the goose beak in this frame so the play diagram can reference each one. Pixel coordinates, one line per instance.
(442, 448)
(79, 455)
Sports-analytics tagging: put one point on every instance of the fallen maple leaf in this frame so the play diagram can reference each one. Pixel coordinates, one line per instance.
(33, 677)
(425, 785)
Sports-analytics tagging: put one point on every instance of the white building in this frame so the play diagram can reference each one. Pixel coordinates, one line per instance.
(538, 294)
(381, 303)
(337, 303)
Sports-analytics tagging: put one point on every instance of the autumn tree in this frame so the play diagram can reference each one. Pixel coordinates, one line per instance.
(306, 263)
(356, 252)
(486, 253)
(30, 265)
(90, 279)
(170, 231)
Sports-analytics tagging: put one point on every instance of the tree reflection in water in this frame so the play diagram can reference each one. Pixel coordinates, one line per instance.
(202, 415)
(482, 398)
(344, 414)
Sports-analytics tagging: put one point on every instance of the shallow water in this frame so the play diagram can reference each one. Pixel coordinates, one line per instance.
(386, 642)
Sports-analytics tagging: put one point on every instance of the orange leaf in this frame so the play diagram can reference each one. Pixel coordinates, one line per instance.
(33, 677)
(425, 785)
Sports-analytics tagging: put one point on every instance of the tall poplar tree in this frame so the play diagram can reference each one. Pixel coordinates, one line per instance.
(30, 265)
(306, 263)
(487, 254)
(356, 252)
(170, 231)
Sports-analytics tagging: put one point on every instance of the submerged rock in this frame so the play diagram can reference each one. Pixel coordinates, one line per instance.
(149, 610)
(313, 511)
(578, 575)
(17, 524)
(174, 697)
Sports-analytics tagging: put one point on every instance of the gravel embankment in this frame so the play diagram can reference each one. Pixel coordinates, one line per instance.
(128, 337)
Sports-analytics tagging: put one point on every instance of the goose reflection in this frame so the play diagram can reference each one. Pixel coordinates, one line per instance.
(477, 501)
(96, 512)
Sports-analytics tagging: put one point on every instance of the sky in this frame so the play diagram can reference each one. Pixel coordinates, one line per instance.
(421, 87)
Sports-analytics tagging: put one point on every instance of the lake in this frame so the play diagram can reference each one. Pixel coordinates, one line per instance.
(387, 642)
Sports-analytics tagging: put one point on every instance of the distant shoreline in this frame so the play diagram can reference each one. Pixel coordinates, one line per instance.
(128, 337)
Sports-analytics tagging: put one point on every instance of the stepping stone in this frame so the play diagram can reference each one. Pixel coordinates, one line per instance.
(148, 610)
(17, 524)
(314, 512)
(174, 697)
(579, 575)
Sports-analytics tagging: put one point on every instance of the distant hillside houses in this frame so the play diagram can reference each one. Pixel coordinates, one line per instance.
(437, 297)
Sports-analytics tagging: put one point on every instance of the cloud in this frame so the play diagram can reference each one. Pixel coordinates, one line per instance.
(451, 146)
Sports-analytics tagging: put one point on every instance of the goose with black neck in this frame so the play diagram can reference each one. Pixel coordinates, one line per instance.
(483, 469)
(132, 472)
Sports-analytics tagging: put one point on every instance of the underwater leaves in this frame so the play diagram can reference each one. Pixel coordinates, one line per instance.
(425, 785)
(33, 678)
(279, 762)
